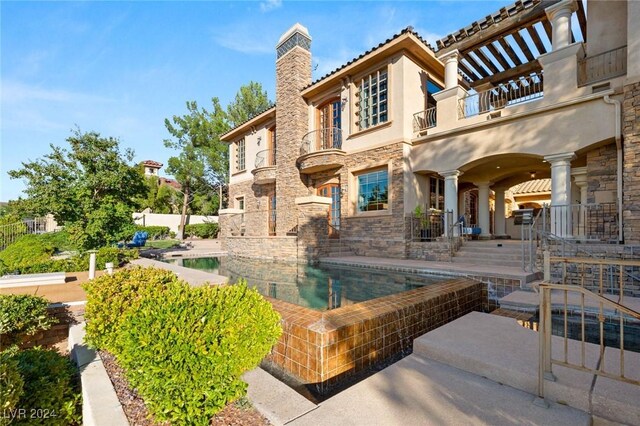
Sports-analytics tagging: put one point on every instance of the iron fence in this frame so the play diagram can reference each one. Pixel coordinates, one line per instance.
(11, 232)
(428, 226)
(424, 119)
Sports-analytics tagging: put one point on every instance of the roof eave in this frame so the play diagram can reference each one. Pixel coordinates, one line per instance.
(244, 127)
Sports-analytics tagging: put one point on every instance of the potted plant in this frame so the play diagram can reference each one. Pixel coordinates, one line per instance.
(425, 223)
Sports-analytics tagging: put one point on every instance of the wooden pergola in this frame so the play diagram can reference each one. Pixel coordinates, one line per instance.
(503, 45)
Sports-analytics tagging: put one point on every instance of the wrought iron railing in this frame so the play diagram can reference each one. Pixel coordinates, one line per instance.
(587, 306)
(424, 119)
(518, 90)
(11, 232)
(266, 158)
(588, 222)
(427, 226)
(603, 66)
(320, 140)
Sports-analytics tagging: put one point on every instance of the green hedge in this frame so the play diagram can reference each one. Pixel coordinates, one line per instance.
(22, 314)
(11, 386)
(155, 232)
(184, 349)
(50, 388)
(109, 297)
(27, 249)
(202, 230)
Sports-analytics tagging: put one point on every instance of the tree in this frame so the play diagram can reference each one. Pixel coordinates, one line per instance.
(90, 189)
(250, 100)
(198, 167)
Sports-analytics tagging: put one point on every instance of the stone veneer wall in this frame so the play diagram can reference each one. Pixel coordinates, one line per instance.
(293, 73)
(255, 217)
(631, 168)
(269, 248)
(601, 171)
(378, 235)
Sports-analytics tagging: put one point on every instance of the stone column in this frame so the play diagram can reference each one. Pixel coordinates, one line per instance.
(500, 226)
(561, 193)
(630, 179)
(293, 73)
(580, 179)
(451, 193)
(450, 69)
(560, 16)
(313, 226)
(484, 216)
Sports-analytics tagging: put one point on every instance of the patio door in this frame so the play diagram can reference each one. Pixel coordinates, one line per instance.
(329, 123)
(332, 190)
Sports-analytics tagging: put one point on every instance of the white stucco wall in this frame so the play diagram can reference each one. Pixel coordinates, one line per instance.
(251, 149)
(607, 25)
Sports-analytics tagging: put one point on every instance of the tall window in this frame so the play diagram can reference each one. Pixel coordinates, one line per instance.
(240, 203)
(372, 100)
(240, 155)
(373, 191)
(273, 143)
(436, 193)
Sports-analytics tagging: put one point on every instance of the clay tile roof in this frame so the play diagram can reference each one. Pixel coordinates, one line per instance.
(152, 163)
(408, 30)
(271, 106)
(537, 186)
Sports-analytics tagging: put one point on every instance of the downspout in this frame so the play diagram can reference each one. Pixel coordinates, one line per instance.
(618, 136)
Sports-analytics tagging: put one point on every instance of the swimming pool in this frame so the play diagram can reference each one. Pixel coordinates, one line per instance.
(319, 287)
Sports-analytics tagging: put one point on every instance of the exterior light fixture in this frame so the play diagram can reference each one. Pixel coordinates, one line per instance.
(533, 174)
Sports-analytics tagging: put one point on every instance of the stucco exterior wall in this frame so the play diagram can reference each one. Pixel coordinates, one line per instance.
(607, 28)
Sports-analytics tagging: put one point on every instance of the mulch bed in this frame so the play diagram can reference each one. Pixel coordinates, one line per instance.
(235, 414)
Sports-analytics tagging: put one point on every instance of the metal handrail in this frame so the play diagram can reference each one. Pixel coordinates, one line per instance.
(455, 239)
(265, 158)
(603, 66)
(424, 119)
(520, 89)
(546, 360)
(321, 139)
(527, 240)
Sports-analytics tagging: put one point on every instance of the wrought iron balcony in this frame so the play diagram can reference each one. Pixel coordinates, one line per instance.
(265, 170)
(518, 90)
(321, 140)
(424, 119)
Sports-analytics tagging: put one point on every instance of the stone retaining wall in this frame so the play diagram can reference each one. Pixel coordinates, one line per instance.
(270, 248)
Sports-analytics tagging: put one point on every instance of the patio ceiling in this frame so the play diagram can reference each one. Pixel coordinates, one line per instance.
(506, 44)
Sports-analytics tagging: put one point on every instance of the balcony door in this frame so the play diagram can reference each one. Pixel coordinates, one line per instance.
(329, 123)
(332, 190)
(272, 214)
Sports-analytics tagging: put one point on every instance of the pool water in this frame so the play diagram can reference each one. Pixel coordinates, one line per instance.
(320, 287)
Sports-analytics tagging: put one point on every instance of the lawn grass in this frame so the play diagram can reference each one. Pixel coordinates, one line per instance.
(161, 244)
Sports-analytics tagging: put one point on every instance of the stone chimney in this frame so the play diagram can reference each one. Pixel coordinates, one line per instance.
(293, 73)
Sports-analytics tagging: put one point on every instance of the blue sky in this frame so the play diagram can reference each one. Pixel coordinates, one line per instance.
(121, 68)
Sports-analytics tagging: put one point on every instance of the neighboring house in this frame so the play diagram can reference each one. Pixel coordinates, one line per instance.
(152, 169)
(448, 129)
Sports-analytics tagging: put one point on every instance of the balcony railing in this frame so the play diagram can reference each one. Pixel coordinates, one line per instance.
(322, 139)
(266, 158)
(520, 89)
(603, 66)
(424, 119)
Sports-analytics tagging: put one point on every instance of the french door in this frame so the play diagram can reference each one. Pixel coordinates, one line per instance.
(332, 190)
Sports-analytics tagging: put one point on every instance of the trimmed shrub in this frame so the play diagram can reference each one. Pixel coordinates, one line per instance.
(22, 314)
(11, 386)
(184, 350)
(27, 249)
(110, 297)
(202, 230)
(50, 390)
(155, 232)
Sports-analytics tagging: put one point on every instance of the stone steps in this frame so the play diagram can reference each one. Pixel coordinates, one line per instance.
(499, 349)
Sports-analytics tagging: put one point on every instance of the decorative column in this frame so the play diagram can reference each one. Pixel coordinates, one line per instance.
(484, 217)
(580, 179)
(561, 193)
(500, 222)
(450, 69)
(560, 16)
(451, 194)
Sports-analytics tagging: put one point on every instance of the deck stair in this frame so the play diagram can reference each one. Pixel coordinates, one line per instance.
(501, 350)
(337, 248)
(493, 252)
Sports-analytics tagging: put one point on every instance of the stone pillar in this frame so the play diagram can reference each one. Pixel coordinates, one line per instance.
(313, 226)
(500, 222)
(451, 193)
(484, 216)
(630, 178)
(561, 193)
(579, 175)
(450, 69)
(560, 16)
(293, 73)
(228, 219)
